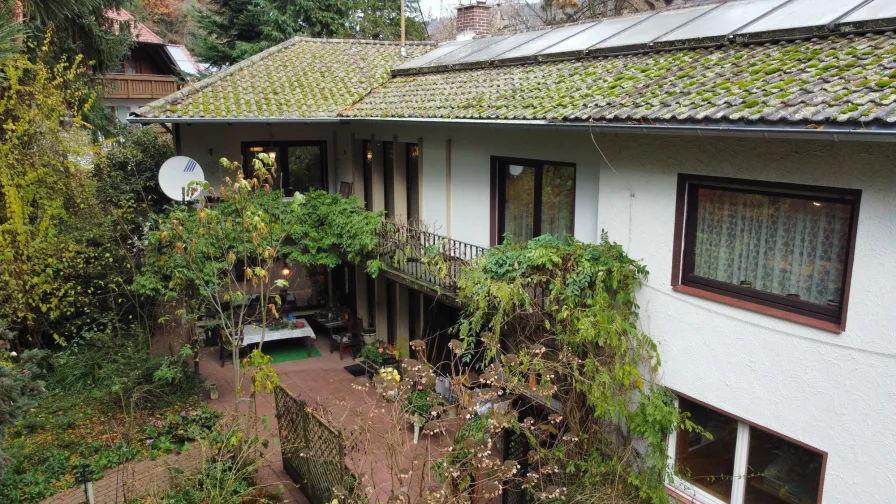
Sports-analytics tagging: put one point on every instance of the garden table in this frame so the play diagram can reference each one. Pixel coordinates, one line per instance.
(252, 334)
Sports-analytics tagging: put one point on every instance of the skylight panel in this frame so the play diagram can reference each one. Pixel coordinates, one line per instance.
(598, 33)
(549, 38)
(435, 54)
(654, 27)
(798, 17)
(721, 22)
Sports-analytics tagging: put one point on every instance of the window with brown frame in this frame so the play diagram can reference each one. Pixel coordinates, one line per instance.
(389, 178)
(367, 164)
(783, 249)
(532, 198)
(299, 166)
(412, 178)
(737, 462)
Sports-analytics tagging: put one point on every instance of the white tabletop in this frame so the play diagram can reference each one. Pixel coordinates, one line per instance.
(252, 333)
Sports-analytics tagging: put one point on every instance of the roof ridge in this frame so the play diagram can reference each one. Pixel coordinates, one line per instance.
(208, 81)
(365, 41)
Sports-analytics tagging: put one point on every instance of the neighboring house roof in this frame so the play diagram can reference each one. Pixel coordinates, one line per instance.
(182, 58)
(821, 80)
(300, 78)
(139, 31)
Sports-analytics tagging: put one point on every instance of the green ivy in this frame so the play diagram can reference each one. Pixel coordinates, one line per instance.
(558, 318)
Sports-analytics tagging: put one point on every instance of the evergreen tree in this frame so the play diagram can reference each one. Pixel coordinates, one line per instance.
(381, 20)
(233, 30)
(79, 27)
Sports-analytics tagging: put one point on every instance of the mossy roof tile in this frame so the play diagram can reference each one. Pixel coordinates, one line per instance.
(301, 78)
(786, 81)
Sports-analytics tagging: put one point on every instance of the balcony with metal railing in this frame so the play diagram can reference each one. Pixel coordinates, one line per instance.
(424, 259)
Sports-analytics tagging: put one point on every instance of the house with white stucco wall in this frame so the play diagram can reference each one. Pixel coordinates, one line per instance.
(752, 172)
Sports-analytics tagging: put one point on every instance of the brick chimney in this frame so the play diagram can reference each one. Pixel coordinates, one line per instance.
(472, 19)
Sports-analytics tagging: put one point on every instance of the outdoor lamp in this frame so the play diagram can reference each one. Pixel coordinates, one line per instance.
(286, 271)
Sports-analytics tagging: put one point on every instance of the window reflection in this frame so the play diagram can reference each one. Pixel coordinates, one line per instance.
(519, 202)
(536, 199)
(704, 462)
(781, 472)
(558, 191)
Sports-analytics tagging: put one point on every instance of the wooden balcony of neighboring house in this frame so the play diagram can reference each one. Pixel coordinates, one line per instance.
(137, 86)
(423, 260)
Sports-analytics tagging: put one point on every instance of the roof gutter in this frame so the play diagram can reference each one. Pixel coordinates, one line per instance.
(801, 131)
(771, 132)
(231, 120)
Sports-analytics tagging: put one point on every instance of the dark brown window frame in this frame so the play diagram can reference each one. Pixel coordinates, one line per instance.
(683, 280)
(367, 167)
(282, 145)
(389, 178)
(754, 425)
(412, 181)
(496, 228)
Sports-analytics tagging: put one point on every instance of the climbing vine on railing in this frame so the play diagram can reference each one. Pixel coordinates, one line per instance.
(556, 322)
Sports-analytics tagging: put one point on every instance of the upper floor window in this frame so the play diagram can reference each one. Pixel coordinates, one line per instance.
(298, 166)
(533, 198)
(783, 247)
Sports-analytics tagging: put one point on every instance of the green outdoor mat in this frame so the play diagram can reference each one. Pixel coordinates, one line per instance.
(289, 350)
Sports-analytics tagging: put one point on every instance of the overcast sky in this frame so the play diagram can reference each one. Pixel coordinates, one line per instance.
(437, 8)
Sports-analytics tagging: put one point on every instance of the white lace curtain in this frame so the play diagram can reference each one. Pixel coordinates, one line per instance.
(774, 244)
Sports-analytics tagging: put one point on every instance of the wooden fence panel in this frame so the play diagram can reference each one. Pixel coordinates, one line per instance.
(313, 452)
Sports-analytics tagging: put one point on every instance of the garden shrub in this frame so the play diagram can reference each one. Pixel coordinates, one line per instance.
(226, 475)
(117, 371)
(20, 385)
(106, 402)
(557, 319)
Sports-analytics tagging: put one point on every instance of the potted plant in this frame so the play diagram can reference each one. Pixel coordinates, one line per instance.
(421, 403)
(379, 354)
(368, 335)
(387, 382)
(421, 406)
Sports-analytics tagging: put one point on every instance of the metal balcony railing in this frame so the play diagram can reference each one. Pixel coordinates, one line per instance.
(425, 256)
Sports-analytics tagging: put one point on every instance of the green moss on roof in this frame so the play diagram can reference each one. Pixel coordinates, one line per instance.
(300, 78)
(806, 81)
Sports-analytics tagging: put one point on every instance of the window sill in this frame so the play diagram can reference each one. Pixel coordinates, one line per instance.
(756, 307)
(678, 496)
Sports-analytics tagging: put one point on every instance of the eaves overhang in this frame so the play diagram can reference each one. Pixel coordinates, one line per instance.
(770, 130)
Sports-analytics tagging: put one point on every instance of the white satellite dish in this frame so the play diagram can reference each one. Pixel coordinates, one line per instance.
(176, 174)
